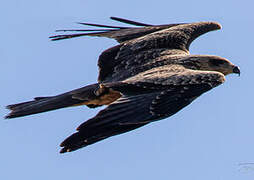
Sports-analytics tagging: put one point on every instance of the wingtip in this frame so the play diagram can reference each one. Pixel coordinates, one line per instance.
(127, 21)
(213, 25)
(62, 144)
(216, 25)
(113, 17)
(63, 150)
(9, 107)
(203, 25)
(52, 38)
(81, 23)
(7, 116)
(59, 37)
(66, 149)
(10, 115)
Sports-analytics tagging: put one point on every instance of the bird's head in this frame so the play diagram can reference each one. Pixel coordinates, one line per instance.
(212, 63)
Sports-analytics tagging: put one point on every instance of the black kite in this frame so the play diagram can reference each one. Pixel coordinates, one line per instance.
(148, 76)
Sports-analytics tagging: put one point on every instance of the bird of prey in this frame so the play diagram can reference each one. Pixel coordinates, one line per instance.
(150, 75)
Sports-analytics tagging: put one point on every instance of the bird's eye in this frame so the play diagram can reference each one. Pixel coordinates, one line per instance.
(217, 62)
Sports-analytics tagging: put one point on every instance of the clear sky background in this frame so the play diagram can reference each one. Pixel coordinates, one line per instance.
(206, 140)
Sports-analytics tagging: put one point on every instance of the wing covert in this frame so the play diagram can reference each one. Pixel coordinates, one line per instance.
(168, 75)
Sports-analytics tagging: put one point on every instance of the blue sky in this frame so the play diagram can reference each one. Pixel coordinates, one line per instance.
(206, 140)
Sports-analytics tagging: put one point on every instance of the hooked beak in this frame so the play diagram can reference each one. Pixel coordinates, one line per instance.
(236, 70)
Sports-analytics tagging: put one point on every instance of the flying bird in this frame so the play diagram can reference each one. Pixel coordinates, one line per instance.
(150, 75)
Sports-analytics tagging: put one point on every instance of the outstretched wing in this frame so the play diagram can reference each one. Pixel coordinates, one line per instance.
(119, 60)
(118, 33)
(139, 45)
(142, 103)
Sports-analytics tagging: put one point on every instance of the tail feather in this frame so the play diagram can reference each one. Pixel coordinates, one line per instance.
(40, 105)
(43, 104)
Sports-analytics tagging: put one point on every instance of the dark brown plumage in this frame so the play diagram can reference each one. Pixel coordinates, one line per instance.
(149, 76)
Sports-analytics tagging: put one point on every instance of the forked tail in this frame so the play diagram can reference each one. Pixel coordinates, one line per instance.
(43, 104)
